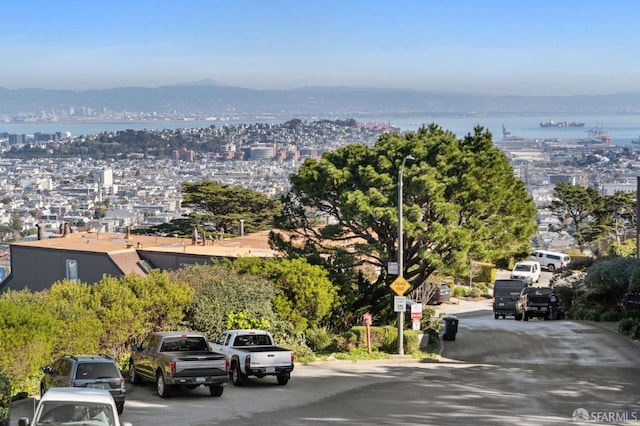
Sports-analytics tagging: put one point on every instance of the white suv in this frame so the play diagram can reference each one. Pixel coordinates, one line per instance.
(527, 271)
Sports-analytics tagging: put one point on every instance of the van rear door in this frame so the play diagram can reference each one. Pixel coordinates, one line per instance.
(505, 295)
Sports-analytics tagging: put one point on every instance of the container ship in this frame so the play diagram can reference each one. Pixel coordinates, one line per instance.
(552, 123)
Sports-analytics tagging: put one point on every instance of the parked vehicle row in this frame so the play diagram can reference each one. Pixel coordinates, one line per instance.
(169, 359)
(515, 297)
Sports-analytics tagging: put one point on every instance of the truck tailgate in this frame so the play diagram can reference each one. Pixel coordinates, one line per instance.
(269, 358)
(203, 364)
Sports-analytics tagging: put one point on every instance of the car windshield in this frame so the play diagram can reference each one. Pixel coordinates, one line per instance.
(75, 413)
(524, 268)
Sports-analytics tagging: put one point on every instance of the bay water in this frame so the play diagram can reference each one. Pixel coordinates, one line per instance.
(622, 128)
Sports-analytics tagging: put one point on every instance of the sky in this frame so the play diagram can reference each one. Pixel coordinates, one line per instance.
(499, 47)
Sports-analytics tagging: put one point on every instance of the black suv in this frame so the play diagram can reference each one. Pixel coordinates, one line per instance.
(88, 371)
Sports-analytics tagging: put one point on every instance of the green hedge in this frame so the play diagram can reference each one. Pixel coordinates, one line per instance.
(5, 399)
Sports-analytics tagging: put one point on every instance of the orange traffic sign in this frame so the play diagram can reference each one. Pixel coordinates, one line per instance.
(400, 286)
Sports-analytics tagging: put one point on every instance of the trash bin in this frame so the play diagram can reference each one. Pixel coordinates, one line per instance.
(450, 327)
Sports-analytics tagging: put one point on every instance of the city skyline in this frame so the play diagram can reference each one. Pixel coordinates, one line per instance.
(498, 47)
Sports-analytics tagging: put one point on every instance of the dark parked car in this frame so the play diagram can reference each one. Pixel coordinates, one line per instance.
(88, 371)
(441, 295)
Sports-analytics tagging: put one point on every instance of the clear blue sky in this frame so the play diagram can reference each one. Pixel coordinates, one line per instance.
(521, 47)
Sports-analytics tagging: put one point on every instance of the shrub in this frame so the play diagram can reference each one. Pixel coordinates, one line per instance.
(486, 273)
(389, 340)
(219, 292)
(410, 341)
(433, 340)
(319, 339)
(5, 399)
(592, 315)
(626, 325)
(610, 316)
(461, 291)
(347, 341)
(577, 312)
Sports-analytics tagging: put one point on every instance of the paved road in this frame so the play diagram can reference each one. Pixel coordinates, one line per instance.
(496, 372)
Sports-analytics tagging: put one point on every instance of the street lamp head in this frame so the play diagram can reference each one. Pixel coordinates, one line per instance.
(404, 160)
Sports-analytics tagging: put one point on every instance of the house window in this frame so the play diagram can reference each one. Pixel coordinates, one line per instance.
(72, 269)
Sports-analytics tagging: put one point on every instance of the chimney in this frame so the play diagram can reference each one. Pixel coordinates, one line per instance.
(40, 231)
(128, 236)
(242, 227)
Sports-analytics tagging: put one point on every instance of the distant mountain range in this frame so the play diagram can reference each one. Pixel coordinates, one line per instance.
(207, 97)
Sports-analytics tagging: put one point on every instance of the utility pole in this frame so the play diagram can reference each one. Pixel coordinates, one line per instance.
(400, 259)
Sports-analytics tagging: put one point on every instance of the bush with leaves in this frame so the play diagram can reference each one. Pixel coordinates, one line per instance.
(610, 316)
(607, 281)
(73, 317)
(319, 339)
(28, 332)
(628, 326)
(304, 294)
(5, 399)
(220, 294)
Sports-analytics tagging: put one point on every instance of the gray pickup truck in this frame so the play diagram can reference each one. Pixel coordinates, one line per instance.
(178, 358)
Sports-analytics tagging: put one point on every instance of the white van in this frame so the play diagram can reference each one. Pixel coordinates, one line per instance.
(527, 271)
(551, 260)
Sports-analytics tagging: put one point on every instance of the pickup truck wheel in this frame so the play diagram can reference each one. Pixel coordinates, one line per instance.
(216, 390)
(283, 380)
(237, 376)
(551, 267)
(496, 316)
(133, 377)
(164, 390)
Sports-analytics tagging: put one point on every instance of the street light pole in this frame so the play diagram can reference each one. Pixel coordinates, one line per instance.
(400, 259)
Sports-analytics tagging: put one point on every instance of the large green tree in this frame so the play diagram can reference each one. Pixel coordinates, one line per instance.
(224, 206)
(461, 201)
(588, 216)
(574, 206)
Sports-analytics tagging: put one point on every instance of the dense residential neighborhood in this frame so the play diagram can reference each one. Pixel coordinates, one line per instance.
(46, 196)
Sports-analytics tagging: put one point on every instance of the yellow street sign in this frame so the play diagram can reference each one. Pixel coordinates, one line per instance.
(400, 286)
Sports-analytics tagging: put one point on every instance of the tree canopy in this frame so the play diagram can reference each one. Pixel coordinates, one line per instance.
(588, 216)
(461, 201)
(224, 206)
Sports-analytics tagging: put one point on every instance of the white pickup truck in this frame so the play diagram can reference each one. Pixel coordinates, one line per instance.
(252, 353)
